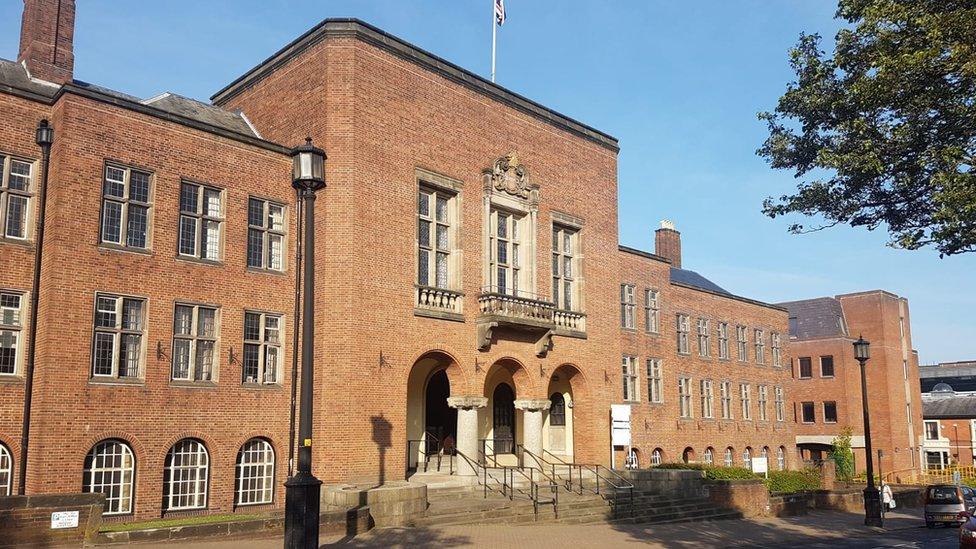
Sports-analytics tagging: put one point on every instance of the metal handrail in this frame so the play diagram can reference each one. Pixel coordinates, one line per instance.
(569, 467)
(553, 484)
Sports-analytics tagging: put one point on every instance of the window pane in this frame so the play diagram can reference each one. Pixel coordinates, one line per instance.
(568, 294)
(139, 186)
(441, 270)
(502, 226)
(276, 217)
(555, 264)
(252, 326)
(255, 213)
(555, 240)
(183, 320)
(206, 322)
(114, 182)
(502, 252)
(271, 331)
(105, 316)
(16, 217)
(423, 204)
(255, 248)
(211, 247)
(441, 209)
(567, 243)
(20, 175)
(250, 366)
(271, 365)
(211, 199)
(181, 359)
(442, 237)
(138, 226)
(112, 222)
(188, 235)
(103, 351)
(129, 353)
(8, 352)
(502, 283)
(275, 243)
(131, 314)
(568, 267)
(204, 365)
(188, 198)
(423, 232)
(423, 268)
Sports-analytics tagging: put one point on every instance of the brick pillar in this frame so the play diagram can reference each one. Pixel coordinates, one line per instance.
(47, 39)
(467, 429)
(532, 425)
(667, 243)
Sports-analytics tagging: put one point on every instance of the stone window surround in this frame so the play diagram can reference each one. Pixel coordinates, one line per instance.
(575, 224)
(441, 183)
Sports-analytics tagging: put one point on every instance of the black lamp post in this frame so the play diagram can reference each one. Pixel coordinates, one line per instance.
(302, 490)
(872, 497)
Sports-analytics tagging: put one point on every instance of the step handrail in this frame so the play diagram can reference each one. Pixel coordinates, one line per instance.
(485, 475)
(570, 467)
(428, 438)
(553, 485)
(624, 486)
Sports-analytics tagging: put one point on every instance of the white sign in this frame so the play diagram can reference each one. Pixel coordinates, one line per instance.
(620, 424)
(760, 465)
(64, 519)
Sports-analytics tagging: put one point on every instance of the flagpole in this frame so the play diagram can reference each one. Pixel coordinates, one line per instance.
(494, 27)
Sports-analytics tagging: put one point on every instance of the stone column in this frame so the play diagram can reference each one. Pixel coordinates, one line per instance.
(532, 426)
(467, 429)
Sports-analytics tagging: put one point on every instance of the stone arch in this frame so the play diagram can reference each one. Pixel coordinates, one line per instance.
(688, 455)
(434, 376)
(514, 372)
(566, 389)
(501, 423)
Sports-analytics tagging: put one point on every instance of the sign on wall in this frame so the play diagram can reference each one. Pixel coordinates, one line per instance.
(760, 465)
(620, 424)
(64, 519)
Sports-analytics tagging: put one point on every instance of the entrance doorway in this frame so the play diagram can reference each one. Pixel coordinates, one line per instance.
(503, 419)
(440, 420)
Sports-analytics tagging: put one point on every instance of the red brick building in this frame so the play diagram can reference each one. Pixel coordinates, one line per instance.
(827, 383)
(469, 284)
(949, 414)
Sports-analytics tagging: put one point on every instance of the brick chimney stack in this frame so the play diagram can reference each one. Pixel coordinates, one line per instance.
(667, 243)
(47, 39)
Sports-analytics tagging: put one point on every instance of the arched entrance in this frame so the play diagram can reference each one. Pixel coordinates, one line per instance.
(440, 420)
(429, 418)
(503, 419)
(566, 388)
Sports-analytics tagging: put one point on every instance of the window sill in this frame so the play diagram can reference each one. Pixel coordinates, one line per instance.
(262, 386)
(11, 378)
(272, 272)
(109, 247)
(826, 377)
(23, 243)
(185, 513)
(117, 381)
(199, 260)
(629, 330)
(186, 384)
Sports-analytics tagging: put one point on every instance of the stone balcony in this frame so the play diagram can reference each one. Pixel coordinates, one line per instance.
(439, 303)
(525, 313)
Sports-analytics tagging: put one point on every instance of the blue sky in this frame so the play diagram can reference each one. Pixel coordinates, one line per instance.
(678, 83)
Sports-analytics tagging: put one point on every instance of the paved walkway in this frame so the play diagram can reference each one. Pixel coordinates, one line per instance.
(825, 529)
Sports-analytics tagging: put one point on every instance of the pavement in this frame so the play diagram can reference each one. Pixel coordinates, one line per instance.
(820, 529)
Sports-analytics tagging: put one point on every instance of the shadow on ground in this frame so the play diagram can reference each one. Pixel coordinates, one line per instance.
(403, 537)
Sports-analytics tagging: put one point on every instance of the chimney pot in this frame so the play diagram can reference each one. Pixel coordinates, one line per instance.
(47, 39)
(667, 242)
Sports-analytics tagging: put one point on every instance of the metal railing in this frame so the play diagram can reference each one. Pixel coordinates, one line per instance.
(618, 485)
(542, 464)
(428, 446)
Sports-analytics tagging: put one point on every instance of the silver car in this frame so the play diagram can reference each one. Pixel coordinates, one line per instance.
(948, 504)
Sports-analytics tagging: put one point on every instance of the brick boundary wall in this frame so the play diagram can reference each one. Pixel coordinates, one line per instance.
(25, 521)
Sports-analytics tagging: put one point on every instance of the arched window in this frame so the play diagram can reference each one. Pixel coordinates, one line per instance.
(255, 473)
(110, 469)
(657, 456)
(709, 456)
(729, 456)
(185, 476)
(633, 459)
(557, 410)
(765, 454)
(688, 456)
(6, 470)
(781, 458)
(747, 457)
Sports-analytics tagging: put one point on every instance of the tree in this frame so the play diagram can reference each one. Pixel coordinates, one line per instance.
(842, 455)
(883, 132)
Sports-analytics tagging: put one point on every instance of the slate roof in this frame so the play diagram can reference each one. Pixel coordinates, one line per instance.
(949, 407)
(817, 318)
(691, 278)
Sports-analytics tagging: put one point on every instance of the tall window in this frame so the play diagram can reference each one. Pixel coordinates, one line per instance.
(255, 473)
(656, 456)
(262, 348)
(729, 456)
(564, 268)
(194, 342)
(830, 411)
(654, 380)
(704, 346)
(740, 341)
(110, 469)
(781, 458)
(808, 414)
(806, 367)
(557, 410)
(11, 324)
(505, 250)
(265, 235)
(185, 476)
(931, 430)
(707, 398)
(683, 329)
(434, 238)
(125, 207)
(779, 403)
(763, 399)
(826, 366)
(630, 379)
(652, 310)
(684, 396)
(777, 350)
(726, 396)
(118, 340)
(201, 221)
(745, 398)
(16, 191)
(709, 456)
(627, 306)
(747, 458)
(723, 340)
(6, 470)
(760, 346)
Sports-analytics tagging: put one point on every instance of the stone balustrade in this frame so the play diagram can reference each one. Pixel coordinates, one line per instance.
(569, 320)
(514, 307)
(439, 299)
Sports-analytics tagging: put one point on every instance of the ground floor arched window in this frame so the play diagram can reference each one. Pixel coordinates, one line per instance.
(255, 473)
(781, 458)
(185, 476)
(747, 457)
(657, 456)
(709, 456)
(110, 469)
(729, 456)
(6, 470)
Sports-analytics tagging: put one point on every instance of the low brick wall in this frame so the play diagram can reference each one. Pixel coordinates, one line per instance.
(678, 483)
(395, 504)
(27, 521)
(750, 497)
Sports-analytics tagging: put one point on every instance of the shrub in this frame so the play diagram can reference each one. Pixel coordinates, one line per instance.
(788, 482)
(712, 472)
(842, 456)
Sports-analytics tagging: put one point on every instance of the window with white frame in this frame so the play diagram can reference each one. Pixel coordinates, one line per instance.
(629, 366)
(434, 237)
(729, 457)
(6, 470)
(725, 393)
(262, 348)
(564, 268)
(126, 203)
(110, 469)
(683, 327)
(195, 329)
(709, 456)
(684, 397)
(707, 398)
(656, 456)
(931, 430)
(652, 310)
(117, 348)
(16, 194)
(723, 340)
(763, 400)
(255, 473)
(779, 403)
(11, 327)
(654, 380)
(201, 221)
(627, 306)
(781, 458)
(740, 341)
(747, 458)
(704, 345)
(777, 351)
(265, 235)
(764, 453)
(185, 476)
(745, 398)
(505, 251)
(760, 337)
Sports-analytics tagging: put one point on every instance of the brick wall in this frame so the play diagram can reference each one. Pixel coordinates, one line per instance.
(27, 520)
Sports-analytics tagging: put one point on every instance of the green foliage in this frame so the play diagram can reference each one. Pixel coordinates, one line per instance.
(712, 472)
(788, 482)
(842, 455)
(883, 131)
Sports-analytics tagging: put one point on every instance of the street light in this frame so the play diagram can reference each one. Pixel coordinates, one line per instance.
(872, 498)
(302, 490)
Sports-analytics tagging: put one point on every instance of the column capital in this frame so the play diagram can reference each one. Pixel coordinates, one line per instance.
(467, 402)
(533, 404)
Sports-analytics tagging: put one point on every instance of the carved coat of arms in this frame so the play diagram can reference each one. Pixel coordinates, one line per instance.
(510, 176)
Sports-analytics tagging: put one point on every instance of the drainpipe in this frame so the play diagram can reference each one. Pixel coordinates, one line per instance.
(44, 138)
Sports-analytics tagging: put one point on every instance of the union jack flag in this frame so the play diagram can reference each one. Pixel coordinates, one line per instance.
(500, 12)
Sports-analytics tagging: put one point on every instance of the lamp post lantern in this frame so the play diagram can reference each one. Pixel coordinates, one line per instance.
(872, 497)
(302, 489)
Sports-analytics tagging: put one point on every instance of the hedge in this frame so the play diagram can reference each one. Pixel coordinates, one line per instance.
(712, 472)
(788, 482)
